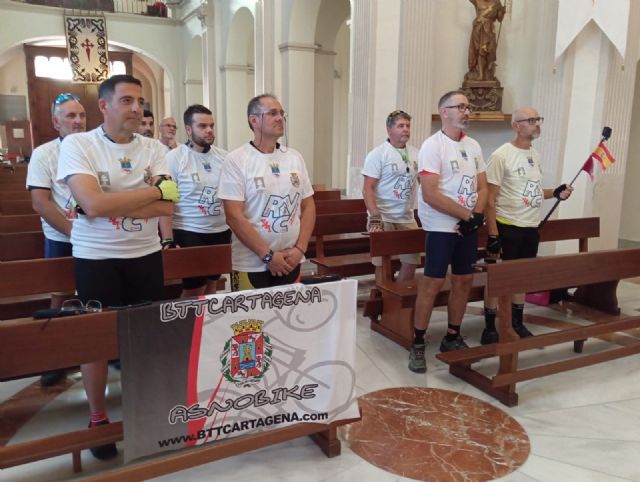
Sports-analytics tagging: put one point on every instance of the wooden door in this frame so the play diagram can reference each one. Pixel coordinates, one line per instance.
(43, 90)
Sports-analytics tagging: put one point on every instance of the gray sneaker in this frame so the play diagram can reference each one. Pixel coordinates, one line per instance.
(417, 363)
(455, 344)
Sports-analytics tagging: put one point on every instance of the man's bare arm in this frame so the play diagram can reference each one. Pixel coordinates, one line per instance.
(43, 204)
(96, 203)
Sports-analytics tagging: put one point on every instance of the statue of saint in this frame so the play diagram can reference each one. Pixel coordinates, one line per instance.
(483, 42)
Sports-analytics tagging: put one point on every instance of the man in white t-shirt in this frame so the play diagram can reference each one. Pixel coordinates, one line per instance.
(515, 197)
(168, 129)
(267, 201)
(117, 178)
(198, 219)
(147, 126)
(52, 200)
(390, 181)
(454, 191)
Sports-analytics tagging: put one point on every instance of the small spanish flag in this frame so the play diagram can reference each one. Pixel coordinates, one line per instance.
(603, 156)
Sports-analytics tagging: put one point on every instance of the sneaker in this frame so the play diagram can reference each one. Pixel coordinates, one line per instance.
(456, 344)
(103, 452)
(522, 331)
(417, 363)
(52, 378)
(488, 337)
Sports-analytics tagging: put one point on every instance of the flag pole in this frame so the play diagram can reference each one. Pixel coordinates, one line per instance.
(606, 133)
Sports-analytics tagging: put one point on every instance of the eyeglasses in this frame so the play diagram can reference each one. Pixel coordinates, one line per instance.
(532, 120)
(273, 113)
(460, 107)
(61, 98)
(77, 307)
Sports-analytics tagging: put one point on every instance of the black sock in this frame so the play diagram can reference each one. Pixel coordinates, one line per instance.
(418, 336)
(490, 318)
(455, 334)
(517, 314)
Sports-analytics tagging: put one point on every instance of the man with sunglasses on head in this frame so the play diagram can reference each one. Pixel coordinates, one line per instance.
(390, 181)
(120, 182)
(454, 191)
(51, 200)
(268, 202)
(513, 208)
(199, 218)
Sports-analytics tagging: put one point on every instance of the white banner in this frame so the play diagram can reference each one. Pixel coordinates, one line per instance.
(87, 48)
(198, 371)
(612, 16)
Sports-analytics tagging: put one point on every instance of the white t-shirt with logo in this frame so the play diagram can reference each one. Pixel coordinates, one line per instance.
(397, 181)
(519, 175)
(457, 163)
(116, 167)
(41, 173)
(272, 187)
(198, 174)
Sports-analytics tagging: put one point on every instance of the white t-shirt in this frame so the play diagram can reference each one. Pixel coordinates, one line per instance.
(116, 167)
(272, 187)
(457, 163)
(519, 175)
(397, 181)
(198, 175)
(41, 173)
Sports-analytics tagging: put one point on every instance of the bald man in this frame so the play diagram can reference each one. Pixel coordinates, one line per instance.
(515, 197)
(168, 129)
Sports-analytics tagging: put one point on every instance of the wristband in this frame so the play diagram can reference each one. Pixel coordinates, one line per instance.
(299, 249)
(168, 242)
(267, 258)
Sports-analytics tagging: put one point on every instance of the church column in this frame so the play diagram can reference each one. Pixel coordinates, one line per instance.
(265, 46)
(298, 67)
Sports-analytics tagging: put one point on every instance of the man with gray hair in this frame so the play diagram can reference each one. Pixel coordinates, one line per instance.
(454, 191)
(268, 202)
(390, 181)
(515, 197)
(51, 200)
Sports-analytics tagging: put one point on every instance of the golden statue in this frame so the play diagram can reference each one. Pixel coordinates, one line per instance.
(483, 42)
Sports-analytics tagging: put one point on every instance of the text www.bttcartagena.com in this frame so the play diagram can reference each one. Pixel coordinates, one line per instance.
(244, 425)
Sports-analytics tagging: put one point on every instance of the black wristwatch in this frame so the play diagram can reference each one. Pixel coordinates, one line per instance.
(266, 259)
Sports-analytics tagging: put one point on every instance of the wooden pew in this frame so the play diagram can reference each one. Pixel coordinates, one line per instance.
(340, 206)
(15, 195)
(344, 260)
(19, 223)
(390, 305)
(504, 279)
(25, 350)
(327, 195)
(16, 207)
(21, 245)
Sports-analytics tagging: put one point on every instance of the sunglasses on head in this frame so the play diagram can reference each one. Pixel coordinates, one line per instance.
(60, 98)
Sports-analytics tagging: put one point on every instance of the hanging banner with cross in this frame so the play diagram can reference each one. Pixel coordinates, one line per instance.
(87, 48)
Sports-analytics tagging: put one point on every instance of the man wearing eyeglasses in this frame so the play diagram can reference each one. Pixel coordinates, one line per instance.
(51, 200)
(515, 198)
(118, 179)
(454, 191)
(268, 202)
(390, 180)
(168, 129)
(199, 218)
(147, 126)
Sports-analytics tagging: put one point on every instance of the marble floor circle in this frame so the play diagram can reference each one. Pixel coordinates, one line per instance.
(437, 435)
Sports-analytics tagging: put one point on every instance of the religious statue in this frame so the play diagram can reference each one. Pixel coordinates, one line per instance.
(483, 42)
(480, 82)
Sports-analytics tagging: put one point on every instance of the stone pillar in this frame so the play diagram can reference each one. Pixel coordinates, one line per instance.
(361, 112)
(265, 47)
(298, 67)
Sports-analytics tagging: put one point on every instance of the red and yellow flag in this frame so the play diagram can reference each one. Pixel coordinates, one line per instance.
(603, 156)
